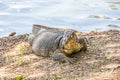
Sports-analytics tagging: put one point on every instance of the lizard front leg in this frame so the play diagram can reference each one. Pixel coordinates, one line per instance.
(60, 56)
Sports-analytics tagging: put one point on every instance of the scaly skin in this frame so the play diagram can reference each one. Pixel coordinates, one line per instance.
(56, 42)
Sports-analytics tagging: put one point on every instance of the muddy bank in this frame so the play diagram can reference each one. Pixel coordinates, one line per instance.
(100, 62)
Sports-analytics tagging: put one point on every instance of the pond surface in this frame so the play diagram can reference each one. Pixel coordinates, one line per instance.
(81, 15)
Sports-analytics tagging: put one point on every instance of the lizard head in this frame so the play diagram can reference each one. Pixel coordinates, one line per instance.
(70, 42)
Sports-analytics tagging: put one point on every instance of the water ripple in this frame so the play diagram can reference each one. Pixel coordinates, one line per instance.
(1, 29)
(82, 15)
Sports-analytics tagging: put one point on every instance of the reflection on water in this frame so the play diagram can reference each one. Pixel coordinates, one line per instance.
(114, 5)
(82, 15)
(113, 25)
(103, 17)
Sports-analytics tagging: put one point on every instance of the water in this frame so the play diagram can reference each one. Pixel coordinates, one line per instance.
(82, 15)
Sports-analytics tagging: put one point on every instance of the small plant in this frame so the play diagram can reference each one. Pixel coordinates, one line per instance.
(22, 62)
(23, 48)
(19, 77)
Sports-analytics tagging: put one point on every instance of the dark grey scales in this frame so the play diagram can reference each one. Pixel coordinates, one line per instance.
(56, 42)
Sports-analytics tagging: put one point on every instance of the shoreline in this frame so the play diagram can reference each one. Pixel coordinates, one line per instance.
(100, 62)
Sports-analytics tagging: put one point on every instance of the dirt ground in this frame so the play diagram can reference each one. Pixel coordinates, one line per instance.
(100, 62)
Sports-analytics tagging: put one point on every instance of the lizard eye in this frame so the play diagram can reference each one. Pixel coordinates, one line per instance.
(71, 36)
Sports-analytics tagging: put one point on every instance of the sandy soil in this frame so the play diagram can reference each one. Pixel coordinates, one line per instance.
(100, 62)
